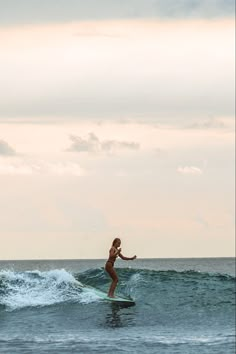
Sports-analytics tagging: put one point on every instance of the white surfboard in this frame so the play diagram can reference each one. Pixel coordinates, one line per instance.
(116, 299)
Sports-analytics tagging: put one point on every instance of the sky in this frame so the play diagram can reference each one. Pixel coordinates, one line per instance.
(117, 119)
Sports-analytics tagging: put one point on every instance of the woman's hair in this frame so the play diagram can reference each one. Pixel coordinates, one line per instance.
(115, 240)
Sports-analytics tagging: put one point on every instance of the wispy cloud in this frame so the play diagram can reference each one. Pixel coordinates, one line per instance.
(6, 149)
(84, 32)
(210, 123)
(93, 144)
(201, 221)
(189, 170)
(23, 167)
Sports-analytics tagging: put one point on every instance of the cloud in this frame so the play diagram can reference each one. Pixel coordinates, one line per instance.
(93, 144)
(201, 221)
(113, 86)
(22, 167)
(6, 149)
(96, 33)
(28, 11)
(189, 170)
(210, 123)
(193, 8)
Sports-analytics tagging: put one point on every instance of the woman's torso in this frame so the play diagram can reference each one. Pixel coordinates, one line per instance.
(112, 259)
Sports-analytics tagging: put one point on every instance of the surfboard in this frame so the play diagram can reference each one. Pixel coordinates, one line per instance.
(116, 299)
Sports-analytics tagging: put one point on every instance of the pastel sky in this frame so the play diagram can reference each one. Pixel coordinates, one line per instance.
(117, 119)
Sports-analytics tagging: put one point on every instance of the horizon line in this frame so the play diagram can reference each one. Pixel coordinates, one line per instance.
(103, 259)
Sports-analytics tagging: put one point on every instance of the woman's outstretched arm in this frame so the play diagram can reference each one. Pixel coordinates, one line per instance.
(127, 258)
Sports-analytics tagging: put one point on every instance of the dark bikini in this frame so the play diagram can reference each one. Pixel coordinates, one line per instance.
(111, 260)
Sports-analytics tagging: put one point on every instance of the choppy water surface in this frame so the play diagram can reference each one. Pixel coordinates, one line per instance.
(182, 306)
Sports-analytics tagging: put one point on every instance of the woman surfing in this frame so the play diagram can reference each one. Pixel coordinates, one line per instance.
(115, 251)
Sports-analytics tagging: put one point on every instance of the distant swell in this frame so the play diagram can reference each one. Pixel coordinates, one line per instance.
(163, 289)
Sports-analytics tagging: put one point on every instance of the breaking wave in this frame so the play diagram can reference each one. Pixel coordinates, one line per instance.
(168, 289)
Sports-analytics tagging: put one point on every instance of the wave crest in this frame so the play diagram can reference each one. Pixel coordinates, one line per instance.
(37, 288)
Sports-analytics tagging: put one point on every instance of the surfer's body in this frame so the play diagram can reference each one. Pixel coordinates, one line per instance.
(114, 252)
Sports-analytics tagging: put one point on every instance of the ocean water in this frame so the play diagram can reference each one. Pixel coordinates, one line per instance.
(182, 306)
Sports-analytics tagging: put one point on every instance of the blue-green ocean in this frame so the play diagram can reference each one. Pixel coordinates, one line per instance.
(182, 306)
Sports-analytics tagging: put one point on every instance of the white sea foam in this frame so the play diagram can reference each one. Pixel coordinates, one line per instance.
(36, 288)
(133, 284)
(135, 336)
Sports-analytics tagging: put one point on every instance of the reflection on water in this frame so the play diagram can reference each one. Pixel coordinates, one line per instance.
(119, 315)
